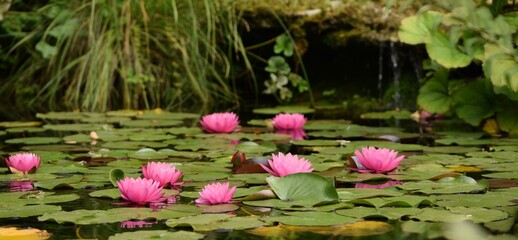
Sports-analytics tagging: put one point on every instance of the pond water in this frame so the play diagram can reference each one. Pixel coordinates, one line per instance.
(451, 182)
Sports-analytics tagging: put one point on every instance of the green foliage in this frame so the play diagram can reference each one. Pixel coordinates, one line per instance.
(102, 55)
(467, 34)
(280, 72)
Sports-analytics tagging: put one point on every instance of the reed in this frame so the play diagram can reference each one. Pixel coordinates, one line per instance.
(97, 55)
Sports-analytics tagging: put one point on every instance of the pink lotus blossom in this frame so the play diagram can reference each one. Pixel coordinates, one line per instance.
(380, 160)
(378, 186)
(216, 193)
(296, 134)
(289, 121)
(140, 190)
(23, 162)
(220, 122)
(283, 165)
(163, 173)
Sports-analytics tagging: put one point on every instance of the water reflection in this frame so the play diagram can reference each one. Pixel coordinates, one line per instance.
(383, 185)
(296, 134)
(136, 224)
(20, 186)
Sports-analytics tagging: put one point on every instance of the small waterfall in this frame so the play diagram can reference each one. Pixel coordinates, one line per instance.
(380, 72)
(396, 74)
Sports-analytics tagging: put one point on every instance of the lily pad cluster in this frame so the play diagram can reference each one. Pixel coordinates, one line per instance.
(457, 180)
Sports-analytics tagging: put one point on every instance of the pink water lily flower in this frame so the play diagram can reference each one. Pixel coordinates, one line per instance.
(163, 173)
(220, 122)
(371, 159)
(282, 165)
(289, 121)
(216, 193)
(140, 190)
(23, 162)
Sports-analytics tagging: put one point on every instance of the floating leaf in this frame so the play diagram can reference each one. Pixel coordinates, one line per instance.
(310, 219)
(27, 211)
(23, 234)
(34, 140)
(203, 222)
(152, 123)
(283, 109)
(116, 174)
(306, 188)
(157, 234)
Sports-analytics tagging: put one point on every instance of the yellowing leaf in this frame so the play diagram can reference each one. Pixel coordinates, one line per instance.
(13, 233)
(467, 169)
(363, 228)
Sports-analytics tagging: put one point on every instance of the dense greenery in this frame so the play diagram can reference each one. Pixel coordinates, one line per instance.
(460, 35)
(101, 55)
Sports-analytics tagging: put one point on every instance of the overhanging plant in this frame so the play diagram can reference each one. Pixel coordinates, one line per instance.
(464, 33)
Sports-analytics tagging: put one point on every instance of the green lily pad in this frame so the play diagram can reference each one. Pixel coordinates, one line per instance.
(34, 140)
(113, 193)
(328, 124)
(459, 214)
(307, 188)
(148, 154)
(389, 213)
(202, 222)
(77, 138)
(66, 182)
(399, 201)
(401, 114)
(506, 175)
(150, 123)
(150, 136)
(134, 145)
(61, 115)
(104, 119)
(77, 127)
(184, 130)
(311, 219)
(27, 211)
(86, 217)
(164, 115)
(429, 187)
(249, 147)
(283, 109)
(116, 174)
(123, 113)
(358, 193)
(15, 130)
(20, 124)
(157, 234)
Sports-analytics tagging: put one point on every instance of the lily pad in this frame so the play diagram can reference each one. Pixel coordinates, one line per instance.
(157, 234)
(283, 109)
(27, 211)
(151, 123)
(34, 140)
(310, 219)
(308, 189)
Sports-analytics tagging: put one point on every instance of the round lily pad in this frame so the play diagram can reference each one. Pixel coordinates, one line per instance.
(283, 109)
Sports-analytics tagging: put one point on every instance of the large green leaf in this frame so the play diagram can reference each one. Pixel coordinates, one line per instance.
(501, 68)
(416, 29)
(434, 95)
(308, 188)
(446, 53)
(475, 102)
